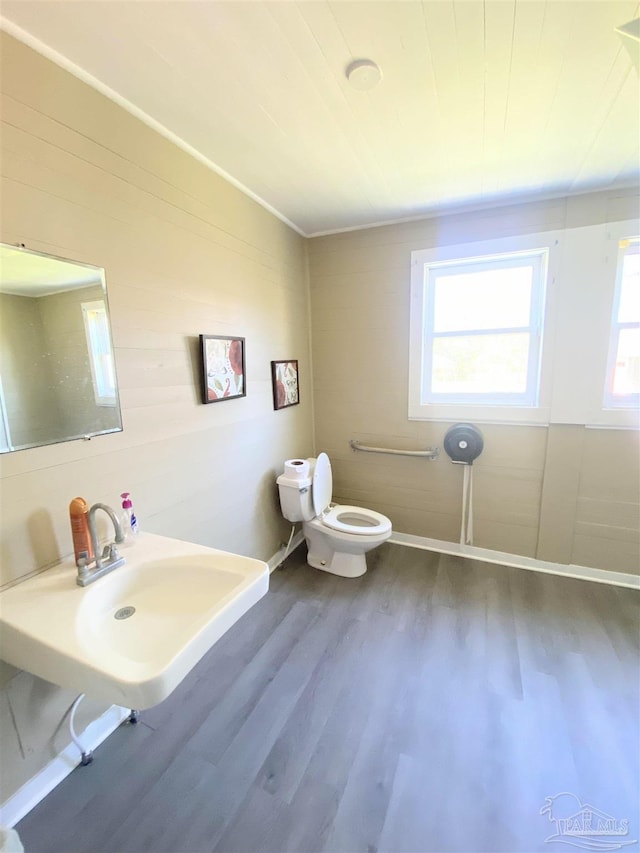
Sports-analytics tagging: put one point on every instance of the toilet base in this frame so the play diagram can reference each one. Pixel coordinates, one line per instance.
(327, 560)
(337, 552)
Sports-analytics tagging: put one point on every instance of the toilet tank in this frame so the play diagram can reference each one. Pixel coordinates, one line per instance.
(295, 498)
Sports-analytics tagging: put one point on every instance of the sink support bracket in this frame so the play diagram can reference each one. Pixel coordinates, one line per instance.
(86, 754)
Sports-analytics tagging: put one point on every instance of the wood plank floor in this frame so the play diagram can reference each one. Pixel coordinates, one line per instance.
(430, 705)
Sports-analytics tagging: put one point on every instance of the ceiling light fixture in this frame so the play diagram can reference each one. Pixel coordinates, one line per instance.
(363, 74)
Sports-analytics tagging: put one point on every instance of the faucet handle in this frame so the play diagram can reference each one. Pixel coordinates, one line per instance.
(110, 552)
(83, 561)
(83, 568)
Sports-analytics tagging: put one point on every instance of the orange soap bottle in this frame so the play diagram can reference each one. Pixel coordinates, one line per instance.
(79, 515)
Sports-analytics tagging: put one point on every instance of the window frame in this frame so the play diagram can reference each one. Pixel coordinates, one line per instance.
(101, 399)
(610, 401)
(504, 410)
(538, 260)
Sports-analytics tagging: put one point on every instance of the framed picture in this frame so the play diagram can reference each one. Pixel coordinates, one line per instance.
(223, 373)
(284, 378)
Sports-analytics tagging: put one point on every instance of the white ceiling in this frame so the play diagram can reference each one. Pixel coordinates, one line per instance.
(479, 101)
(24, 273)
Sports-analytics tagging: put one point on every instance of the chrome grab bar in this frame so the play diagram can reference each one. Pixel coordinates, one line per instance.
(429, 453)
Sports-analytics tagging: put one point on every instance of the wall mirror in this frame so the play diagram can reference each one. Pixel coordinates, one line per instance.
(57, 371)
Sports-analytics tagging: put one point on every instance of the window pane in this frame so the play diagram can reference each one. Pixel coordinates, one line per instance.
(480, 364)
(626, 373)
(629, 308)
(485, 299)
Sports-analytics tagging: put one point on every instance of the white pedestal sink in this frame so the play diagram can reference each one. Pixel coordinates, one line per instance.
(132, 636)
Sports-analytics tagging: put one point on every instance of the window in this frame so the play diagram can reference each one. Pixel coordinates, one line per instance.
(482, 329)
(528, 328)
(96, 326)
(622, 388)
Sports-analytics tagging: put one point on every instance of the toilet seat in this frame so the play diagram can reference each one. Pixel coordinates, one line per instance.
(322, 484)
(355, 519)
(344, 519)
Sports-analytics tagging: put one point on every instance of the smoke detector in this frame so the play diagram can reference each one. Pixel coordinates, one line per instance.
(363, 74)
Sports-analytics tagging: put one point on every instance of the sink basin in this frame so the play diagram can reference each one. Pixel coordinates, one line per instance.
(133, 635)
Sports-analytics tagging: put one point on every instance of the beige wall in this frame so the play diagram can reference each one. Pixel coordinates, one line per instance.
(32, 409)
(64, 329)
(562, 493)
(184, 253)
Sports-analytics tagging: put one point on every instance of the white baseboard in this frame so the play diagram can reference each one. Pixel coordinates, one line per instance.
(486, 555)
(37, 788)
(278, 557)
(516, 561)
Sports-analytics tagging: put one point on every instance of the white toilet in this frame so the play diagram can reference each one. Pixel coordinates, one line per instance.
(337, 537)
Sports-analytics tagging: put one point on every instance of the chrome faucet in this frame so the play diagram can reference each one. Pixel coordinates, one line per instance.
(110, 558)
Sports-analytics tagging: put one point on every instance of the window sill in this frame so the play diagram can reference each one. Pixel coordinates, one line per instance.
(521, 415)
(615, 419)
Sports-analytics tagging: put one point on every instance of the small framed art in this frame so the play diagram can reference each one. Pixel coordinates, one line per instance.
(284, 378)
(222, 369)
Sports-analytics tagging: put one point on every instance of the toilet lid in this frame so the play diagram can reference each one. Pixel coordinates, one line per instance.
(355, 519)
(322, 484)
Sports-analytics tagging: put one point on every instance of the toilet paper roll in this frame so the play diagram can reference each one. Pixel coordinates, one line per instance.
(296, 469)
